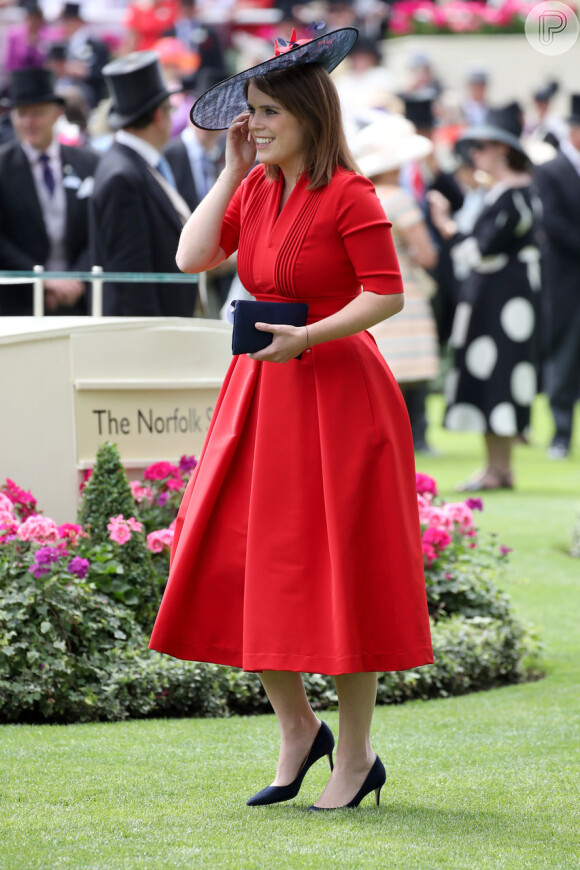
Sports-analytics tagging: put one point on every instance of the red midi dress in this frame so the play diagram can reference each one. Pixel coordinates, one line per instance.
(297, 545)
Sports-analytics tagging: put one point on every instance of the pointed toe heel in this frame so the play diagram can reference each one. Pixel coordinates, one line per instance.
(374, 781)
(275, 794)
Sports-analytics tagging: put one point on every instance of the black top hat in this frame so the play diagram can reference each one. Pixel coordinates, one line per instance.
(419, 108)
(575, 111)
(218, 106)
(57, 51)
(71, 10)
(500, 125)
(29, 86)
(136, 86)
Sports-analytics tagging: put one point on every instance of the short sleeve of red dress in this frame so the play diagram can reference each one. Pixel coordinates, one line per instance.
(366, 235)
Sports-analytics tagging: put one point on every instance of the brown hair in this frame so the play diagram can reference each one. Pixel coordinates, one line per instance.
(517, 161)
(308, 93)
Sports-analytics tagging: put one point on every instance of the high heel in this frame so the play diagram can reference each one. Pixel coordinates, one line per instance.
(374, 781)
(275, 794)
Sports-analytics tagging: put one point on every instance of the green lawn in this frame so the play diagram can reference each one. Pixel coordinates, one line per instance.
(484, 781)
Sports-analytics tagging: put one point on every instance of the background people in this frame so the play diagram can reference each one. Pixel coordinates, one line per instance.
(558, 183)
(136, 212)
(408, 341)
(494, 379)
(44, 194)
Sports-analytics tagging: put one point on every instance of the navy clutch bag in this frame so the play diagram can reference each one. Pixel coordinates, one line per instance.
(246, 338)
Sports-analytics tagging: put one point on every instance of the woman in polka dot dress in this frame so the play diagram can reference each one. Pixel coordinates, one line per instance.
(493, 382)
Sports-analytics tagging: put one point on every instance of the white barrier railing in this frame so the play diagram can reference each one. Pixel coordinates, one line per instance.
(96, 277)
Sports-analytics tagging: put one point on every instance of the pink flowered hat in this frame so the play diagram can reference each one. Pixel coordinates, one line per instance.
(218, 106)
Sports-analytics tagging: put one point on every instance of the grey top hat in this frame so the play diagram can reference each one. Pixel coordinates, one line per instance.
(218, 106)
(29, 86)
(501, 125)
(135, 84)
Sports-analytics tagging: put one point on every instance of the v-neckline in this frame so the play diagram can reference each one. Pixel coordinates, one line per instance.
(280, 209)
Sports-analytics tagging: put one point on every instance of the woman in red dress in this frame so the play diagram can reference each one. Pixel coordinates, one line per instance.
(297, 546)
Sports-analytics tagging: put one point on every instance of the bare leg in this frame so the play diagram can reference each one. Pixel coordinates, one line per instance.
(357, 694)
(296, 720)
(499, 451)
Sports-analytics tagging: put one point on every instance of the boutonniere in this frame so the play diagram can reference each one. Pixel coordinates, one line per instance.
(70, 179)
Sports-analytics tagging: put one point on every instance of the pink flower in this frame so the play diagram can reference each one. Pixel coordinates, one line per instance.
(140, 492)
(161, 470)
(429, 553)
(71, 532)
(175, 484)
(24, 500)
(505, 550)
(38, 528)
(8, 522)
(86, 477)
(158, 540)
(5, 503)
(120, 529)
(461, 514)
(425, 484)
(436, 538)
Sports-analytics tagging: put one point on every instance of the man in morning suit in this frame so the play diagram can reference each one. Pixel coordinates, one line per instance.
(44, 193)
(558, 183)
(136, 213)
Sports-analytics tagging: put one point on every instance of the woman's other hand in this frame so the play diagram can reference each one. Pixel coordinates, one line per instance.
(287, 344)
(440, 210)
(240, 146)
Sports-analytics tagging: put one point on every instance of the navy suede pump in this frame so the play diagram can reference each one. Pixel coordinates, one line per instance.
(374, 781)
(275, 794)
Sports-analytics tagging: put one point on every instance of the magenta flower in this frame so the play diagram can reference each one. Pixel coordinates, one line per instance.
(71, 532)
(162, 499)
(79, 567)
(23, 500)
(187, 464)
(475, 504)
(39, 571)
(161, 470)
(425, 484)
(505, 550)
(436, 538)
(46, 556)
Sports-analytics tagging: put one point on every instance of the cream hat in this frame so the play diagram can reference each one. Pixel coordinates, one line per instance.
(388, 144)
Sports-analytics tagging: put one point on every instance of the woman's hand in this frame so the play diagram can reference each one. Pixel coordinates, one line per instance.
(287, 344)
(240, 147)
(440, 209)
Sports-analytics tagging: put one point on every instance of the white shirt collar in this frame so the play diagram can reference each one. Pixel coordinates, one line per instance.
(147, 151)
(571, 153)
(33, 154)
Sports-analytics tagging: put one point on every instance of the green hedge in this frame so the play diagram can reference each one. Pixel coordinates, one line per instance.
(68, 653)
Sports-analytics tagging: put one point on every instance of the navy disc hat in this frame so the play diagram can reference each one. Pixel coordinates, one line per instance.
(575, 110)
(501, 125)
(218, 106)
(29, 86)
(136, 85)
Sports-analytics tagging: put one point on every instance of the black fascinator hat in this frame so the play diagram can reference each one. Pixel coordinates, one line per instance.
(218, 106)
(501, 125)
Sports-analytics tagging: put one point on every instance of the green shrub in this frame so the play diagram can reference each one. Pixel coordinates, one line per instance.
(125, 573)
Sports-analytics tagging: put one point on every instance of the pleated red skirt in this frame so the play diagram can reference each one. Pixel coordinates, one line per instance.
(297, 545)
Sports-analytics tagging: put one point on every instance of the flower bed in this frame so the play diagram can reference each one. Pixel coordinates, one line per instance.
(427, 18)
(77, 602)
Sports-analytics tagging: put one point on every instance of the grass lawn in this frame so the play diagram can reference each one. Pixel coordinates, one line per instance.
(488, 780)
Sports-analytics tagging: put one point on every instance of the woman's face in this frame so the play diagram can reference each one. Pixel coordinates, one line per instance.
(489, 157)
(279, 135)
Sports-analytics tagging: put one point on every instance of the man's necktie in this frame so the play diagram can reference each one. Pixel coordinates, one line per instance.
(165, 169)
(47, 175)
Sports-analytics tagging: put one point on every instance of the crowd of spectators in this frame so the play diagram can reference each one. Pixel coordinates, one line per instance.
(55, 53)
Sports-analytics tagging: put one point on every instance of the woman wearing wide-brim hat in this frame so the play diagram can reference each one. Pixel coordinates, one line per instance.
(494, 379)
(297, 545)
(409, 341)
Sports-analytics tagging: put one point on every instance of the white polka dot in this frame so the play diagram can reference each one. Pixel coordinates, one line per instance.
(450, 387)
(517, 318)
(502, 420)
(460, 324)
(481, 357)
(523, 383)
(463, 416)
